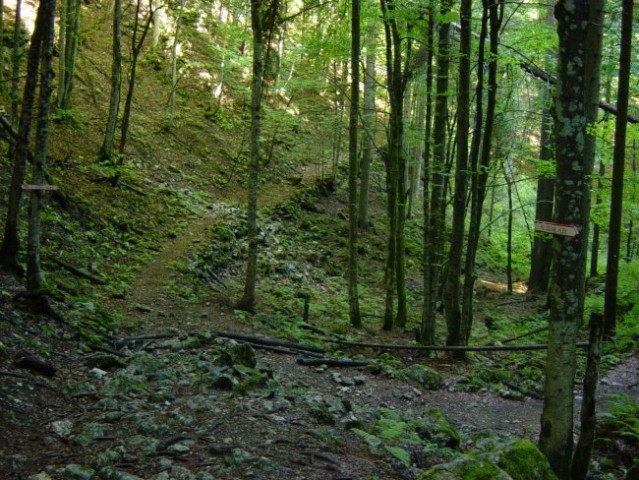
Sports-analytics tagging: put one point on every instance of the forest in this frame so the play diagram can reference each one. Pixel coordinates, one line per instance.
(306, 239)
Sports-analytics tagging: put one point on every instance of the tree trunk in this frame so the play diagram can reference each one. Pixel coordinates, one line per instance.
(174, 78)
(67, 47)
(594, 247)
(509, 234)
(247, 302)
(136, 47)
(480, 159)
(368, 123)
(452, 286)
(434, 216)
(106, 152)
(353, 296)
(11, 241)
(576, 99)
(616, 196)
(46, 15)
(541, 255)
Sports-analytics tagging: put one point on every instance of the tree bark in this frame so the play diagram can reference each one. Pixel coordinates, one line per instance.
(353, 295)
(434, 215)
(106, 151)
(247, 302)
(616, 196)
(11, 241)
(452, 286)
(368, 123)
(576, 100)
(46, 15)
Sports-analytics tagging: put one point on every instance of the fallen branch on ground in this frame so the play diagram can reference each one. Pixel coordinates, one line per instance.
(333, 362)
(443, 348)
(527, 334)
(79, 272)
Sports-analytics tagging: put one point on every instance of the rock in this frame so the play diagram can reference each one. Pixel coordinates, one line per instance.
(465, 468)
(180, 448)
(62, 428)
(422, 376)
(16, 462)
(90, 433)
(97, 373)
(113, 474)
(78, 472)
(436, 428)
(520, 458)
(105, 361)
(238, 354)
(106, 459)
(141, 446)
(39, 476)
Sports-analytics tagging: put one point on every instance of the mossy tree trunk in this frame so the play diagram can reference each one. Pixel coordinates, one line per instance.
(576, 99)
(67, 47)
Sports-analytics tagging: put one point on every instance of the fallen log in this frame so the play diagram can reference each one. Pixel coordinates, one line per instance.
(333, 362)
(35, 365)
(446, 348)
(527, 334)
(269, 341)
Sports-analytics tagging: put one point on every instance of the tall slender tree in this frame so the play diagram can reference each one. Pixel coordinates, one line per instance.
(106, 151)
(434, 212)
(353, 295)
(46, 10)
(452, 286)
(11, 240)
(247, 302)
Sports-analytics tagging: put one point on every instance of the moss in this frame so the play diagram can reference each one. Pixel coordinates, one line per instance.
(520, 458)
(436, 428)
(465, 468)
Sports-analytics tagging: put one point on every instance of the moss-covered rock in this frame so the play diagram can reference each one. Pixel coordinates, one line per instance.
(435, 428)
(465, 468)
(519, 457)
(421, 376)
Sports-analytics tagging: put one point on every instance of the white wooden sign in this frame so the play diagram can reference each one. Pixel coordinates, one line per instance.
(556, 228)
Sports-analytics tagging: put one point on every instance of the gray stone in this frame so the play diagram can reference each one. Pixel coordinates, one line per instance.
(63, 428)
(78, 472)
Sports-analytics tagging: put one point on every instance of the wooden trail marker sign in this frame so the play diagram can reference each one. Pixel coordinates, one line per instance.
(26, 186)
(556, 228)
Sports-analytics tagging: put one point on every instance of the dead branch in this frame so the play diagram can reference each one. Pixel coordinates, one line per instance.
(443, 348)
(35, 365)
(527, 334)
(80, 272)
(270, 342)
(333, 362)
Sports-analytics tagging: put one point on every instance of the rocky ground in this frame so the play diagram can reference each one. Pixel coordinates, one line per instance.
(171, 397)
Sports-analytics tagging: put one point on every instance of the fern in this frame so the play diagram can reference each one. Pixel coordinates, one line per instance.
(400, 454)
(371, 440)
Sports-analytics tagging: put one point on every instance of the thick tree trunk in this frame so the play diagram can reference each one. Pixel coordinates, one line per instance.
(247, 302)
(353, 296)
(576, 100)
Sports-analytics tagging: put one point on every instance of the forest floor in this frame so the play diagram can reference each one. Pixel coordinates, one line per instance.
(186, 403)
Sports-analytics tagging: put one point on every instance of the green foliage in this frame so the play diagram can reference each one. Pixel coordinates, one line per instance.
(621, 418)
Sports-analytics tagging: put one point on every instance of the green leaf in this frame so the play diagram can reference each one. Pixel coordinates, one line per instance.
(372, 440)
(400, 454)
